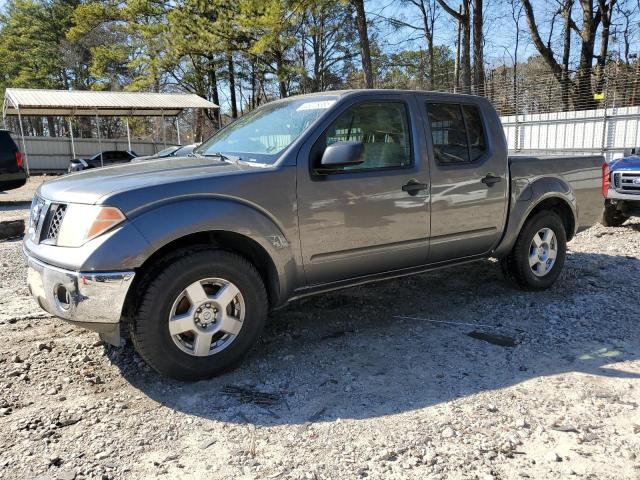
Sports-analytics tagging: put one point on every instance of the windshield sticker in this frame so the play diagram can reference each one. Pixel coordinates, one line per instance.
(322, 105)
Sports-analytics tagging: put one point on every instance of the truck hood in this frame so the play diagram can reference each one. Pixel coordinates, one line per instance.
(96, 185)
(627, 163)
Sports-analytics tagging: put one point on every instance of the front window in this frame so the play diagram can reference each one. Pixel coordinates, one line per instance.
(260, 136)
(382, 127)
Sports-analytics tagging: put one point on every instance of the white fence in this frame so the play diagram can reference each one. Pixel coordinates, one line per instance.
(581, 132)
(54, 153)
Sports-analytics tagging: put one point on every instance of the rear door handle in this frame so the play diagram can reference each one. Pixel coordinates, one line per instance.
(490, 180)
(412, 187)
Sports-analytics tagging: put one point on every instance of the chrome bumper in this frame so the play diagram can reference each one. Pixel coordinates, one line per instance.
(89, 298)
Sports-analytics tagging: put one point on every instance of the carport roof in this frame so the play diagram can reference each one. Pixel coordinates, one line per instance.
(29, 101)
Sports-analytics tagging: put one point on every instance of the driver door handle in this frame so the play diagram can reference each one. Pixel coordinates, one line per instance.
(412, 187)
(490, 180)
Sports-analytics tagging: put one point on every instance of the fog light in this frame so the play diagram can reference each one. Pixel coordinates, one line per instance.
(62, 297)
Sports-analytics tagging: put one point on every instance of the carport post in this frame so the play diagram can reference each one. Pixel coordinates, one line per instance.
(99, 139)
(128, 134)
(73, 145)
(178, 129)
(24, 145)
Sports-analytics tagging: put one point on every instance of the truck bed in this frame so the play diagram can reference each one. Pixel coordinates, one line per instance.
(583, 174)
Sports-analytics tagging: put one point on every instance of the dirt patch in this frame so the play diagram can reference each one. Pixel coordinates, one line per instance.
(341, 387)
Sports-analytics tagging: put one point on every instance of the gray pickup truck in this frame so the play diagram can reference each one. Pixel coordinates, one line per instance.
(302, 195)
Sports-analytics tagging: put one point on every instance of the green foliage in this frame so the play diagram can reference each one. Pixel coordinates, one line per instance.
(32, 43)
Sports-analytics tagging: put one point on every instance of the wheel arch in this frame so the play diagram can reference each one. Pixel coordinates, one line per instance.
(205, 240)
(560, 202)
(178, 227)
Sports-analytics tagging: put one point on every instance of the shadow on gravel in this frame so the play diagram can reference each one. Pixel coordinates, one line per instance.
(348, 355)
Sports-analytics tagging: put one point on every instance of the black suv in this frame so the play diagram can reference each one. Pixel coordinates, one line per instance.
(12, 174)
(110, 157)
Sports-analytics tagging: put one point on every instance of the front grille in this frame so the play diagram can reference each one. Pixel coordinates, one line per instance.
(627, 182)
(55, 216)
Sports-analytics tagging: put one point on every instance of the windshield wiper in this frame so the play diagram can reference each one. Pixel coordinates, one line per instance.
(223, 157)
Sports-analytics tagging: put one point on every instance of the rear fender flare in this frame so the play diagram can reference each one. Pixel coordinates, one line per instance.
(526, 200)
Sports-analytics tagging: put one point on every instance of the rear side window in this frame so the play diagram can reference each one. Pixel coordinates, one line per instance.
(383, 128)
(457, 133)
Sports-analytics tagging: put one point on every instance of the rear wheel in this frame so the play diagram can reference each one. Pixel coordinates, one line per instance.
(612, 217)
(538, 255)
(201, 315)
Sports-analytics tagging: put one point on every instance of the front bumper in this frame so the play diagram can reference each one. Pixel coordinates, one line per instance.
(94, 300)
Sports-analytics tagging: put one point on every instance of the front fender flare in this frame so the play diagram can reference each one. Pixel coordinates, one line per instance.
(171, 221)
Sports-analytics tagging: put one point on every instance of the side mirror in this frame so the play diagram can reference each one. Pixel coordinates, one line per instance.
(341, 154)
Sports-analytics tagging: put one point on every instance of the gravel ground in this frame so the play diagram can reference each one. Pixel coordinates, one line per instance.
(24, 194)
(339, 387)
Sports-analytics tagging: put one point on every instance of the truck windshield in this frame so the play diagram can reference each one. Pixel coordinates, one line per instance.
(262, 134)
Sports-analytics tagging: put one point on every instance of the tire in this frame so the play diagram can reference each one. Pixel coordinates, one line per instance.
(612, 217)
(182, 356)
(543, 274)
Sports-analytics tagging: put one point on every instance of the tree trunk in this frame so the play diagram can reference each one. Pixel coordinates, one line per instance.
(465, 55)
(232, 85)
(253, 83)
(565, 83)
(585, 99)
(428, 35)
(213, 86)
(51, 127)
(365, 50)
(478, 44)
(198, 126)
(282, 83)
(606, 11)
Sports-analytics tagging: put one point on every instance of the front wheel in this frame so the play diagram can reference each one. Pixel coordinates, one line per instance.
(538, 255)
(201, 315)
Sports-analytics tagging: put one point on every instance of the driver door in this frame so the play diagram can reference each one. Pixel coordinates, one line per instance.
(358, 220)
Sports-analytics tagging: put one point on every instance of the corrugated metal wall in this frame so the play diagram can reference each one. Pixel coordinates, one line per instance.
(54, 153)
(581, 132)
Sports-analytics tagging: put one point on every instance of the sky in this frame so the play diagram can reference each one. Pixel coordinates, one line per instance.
(500, 28)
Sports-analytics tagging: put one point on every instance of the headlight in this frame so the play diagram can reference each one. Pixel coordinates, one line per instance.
(81, 223)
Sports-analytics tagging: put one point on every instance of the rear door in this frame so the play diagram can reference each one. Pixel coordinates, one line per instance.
(121, 157)
(8, 149)
(469, 176)
(359, 220)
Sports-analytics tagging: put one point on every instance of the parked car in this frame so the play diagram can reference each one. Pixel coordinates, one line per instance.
(110, 157)
(301, 196)
(173, 151)
(621, 189)
(12, 174)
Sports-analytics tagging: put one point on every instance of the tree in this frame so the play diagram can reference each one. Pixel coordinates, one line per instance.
(34, 51)
(327, 36)
(592, 17)
(478, 47)
(365, 49)
(429, 12)
(463, 19)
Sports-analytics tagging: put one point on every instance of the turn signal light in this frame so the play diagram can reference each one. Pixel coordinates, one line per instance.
(107, 218)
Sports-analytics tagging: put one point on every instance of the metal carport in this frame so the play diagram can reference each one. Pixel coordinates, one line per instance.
(73, 103)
